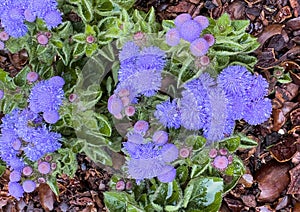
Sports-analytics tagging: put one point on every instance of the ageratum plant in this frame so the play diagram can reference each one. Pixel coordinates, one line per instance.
(104, 79)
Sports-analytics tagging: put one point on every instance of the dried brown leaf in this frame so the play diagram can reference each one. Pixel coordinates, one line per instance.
(47, 197)
(284, 150)
(278, 119)
(294, 186)
(272, 179)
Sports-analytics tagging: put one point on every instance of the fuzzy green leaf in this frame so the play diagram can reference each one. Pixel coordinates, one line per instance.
(79, 38)
(85, 11)
(79, 50)
(203, 194)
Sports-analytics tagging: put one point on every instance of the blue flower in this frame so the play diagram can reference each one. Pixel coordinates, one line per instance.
(168, 114)
(215, 129)
(42, 141)
(141, 69)
(145, 82)
(129, 51)
(52, 19)
(15, 189)
(257, 111)
(46, 96)
(149, 160)
(190, 30)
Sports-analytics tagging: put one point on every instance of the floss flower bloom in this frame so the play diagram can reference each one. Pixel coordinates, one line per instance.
(148, 160)
(168, 114)
(47, 96)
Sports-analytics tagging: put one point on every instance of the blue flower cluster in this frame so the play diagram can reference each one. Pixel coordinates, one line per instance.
(214, 105)
(46, 97)
(14, 13)
(190, 30)
(139, 74)
(25, 135)
(150, 157)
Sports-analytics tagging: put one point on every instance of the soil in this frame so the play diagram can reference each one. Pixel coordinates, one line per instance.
(272, 176)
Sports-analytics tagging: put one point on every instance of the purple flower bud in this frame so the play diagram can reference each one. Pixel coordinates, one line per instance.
(29, 16)
(1, 94)
(209, 38)
(48, 158)
(223, 151)
(114, 105)
(32, 76)
(199, 47)
(220, 163)
(129, 111)
(138, 36)
(15, 176)
(27, 171)
(42, 39)
(141, 126)
(44, 167)
(90, 39)
(53, 166)
(2, 45)
(118, 116)
(169, 174)
(173, 37)
(48, 34)
(169, 153)
(120, 185)
(123, 92)
(125, 101)
(17, 144)
(213, 153)
(72, 97)
(41, 180)
(128, 185)
(230, 159)
(184, 152)
(28, 186)
(204, 60)
(51, 117)
(4, 36)
(182, 18)
(160, 137)
(202, 20)
(190, 30)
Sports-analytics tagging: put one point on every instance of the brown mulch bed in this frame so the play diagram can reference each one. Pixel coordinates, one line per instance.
(273, 174)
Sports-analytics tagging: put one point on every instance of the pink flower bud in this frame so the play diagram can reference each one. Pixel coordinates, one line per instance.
(42, 39)
(120, 185)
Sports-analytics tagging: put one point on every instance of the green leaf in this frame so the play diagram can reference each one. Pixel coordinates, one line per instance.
(198, 169)
(53, 185)
(20, 78)
(232, 143)
(197, 142)
(85, 11)
(79, 50)
(203, 194)
(121, 201)
(246, 142)
(91, 49)
(182, 174)
(65, 29)
(126, 4)
(79, 38)
(89, 30)
(236, 169)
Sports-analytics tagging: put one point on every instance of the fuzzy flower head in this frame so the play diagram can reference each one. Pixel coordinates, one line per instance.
(190, 30)
(168, 114)
(46, 96)
(15, 190)
(173, 37)
(141, 68)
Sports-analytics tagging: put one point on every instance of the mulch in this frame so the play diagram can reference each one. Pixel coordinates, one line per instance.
(271, 182)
